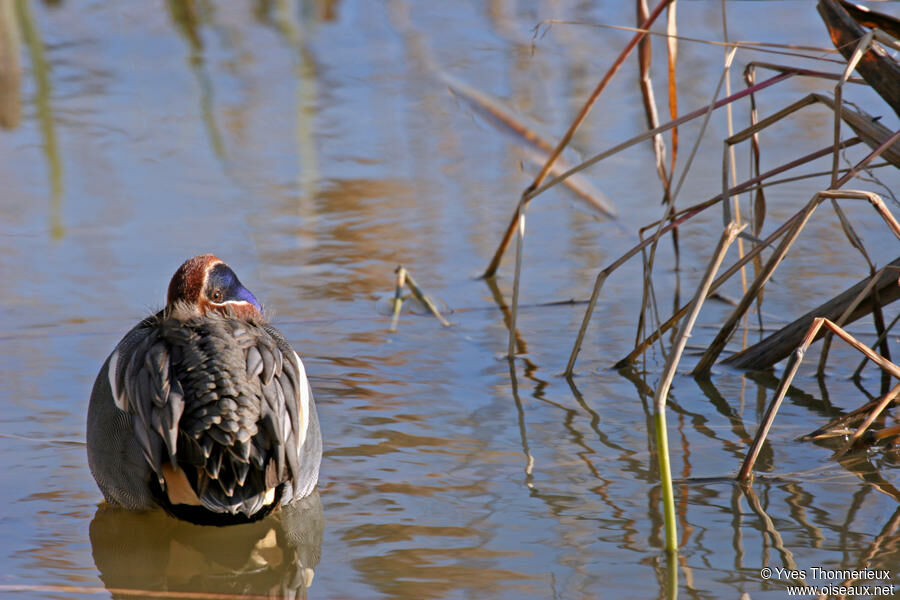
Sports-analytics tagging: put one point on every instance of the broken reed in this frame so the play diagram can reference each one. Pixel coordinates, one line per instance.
(867, 130)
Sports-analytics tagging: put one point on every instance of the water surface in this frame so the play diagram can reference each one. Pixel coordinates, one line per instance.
(316, 146)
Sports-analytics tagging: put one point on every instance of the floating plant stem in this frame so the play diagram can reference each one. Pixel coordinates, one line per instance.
(421, 297)
(405, 278)
(398, 296)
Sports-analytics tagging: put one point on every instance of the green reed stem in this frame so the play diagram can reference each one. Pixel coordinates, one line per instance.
(665, 472)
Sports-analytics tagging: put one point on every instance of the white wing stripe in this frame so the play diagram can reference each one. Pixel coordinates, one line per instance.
(304, 401)
(112, 373)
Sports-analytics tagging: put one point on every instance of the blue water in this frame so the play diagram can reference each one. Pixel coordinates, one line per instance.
(315, 147)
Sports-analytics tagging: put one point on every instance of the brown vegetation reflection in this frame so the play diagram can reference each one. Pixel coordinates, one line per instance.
(10, 67)
(449, 471)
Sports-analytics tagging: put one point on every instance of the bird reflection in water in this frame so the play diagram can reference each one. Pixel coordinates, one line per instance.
(150, 551)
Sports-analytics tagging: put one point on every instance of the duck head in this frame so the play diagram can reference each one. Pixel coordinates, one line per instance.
(205, 283)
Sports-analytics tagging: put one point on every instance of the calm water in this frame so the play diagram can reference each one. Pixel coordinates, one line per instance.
(314, 147)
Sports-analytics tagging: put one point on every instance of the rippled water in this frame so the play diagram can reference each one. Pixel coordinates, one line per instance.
(316, 146)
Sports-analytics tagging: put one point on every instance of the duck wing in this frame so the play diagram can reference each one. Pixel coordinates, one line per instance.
(220, 409)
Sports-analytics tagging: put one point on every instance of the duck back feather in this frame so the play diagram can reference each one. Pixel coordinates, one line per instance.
(214, 415)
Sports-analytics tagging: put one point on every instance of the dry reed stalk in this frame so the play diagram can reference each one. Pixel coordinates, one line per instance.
(519, 216)
(729, 163)
(662, 389)
(874, 134)
(718, 344)
(404, 277)
(864, 125)
(499, 115)
(672, 61)
(861, 122)
(650, 339)
(885, 433)
(753, 254)
(567, 137)
(847, 337)
(780, 344)
(844, 421)
(874, 276)
(755, 182)
(648, 264)
(819, 174)
(758, 204)
(649, 134)
(652, 117)
(601, 278)
(871, 19)
(648, 293)
(684, 332)
(756, 64)
(877, 67)
(521, 345)
(853, 62)
(514, 312)
(681, 217)
(764, 47)
(880, 341)
(651, 114)
(790, 371)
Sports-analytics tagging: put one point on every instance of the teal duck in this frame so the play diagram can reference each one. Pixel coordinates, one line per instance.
(204, 408)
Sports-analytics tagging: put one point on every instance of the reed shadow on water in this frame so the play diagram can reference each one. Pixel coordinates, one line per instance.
(491, 451)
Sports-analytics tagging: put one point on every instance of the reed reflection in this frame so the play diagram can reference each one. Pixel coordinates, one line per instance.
(150, 551)
(187, 21)
(10, 68)
(45, 114)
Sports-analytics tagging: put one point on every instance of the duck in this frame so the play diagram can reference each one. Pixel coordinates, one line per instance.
(204, 409)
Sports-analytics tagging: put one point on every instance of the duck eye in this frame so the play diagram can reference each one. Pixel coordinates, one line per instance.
(216, 295)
